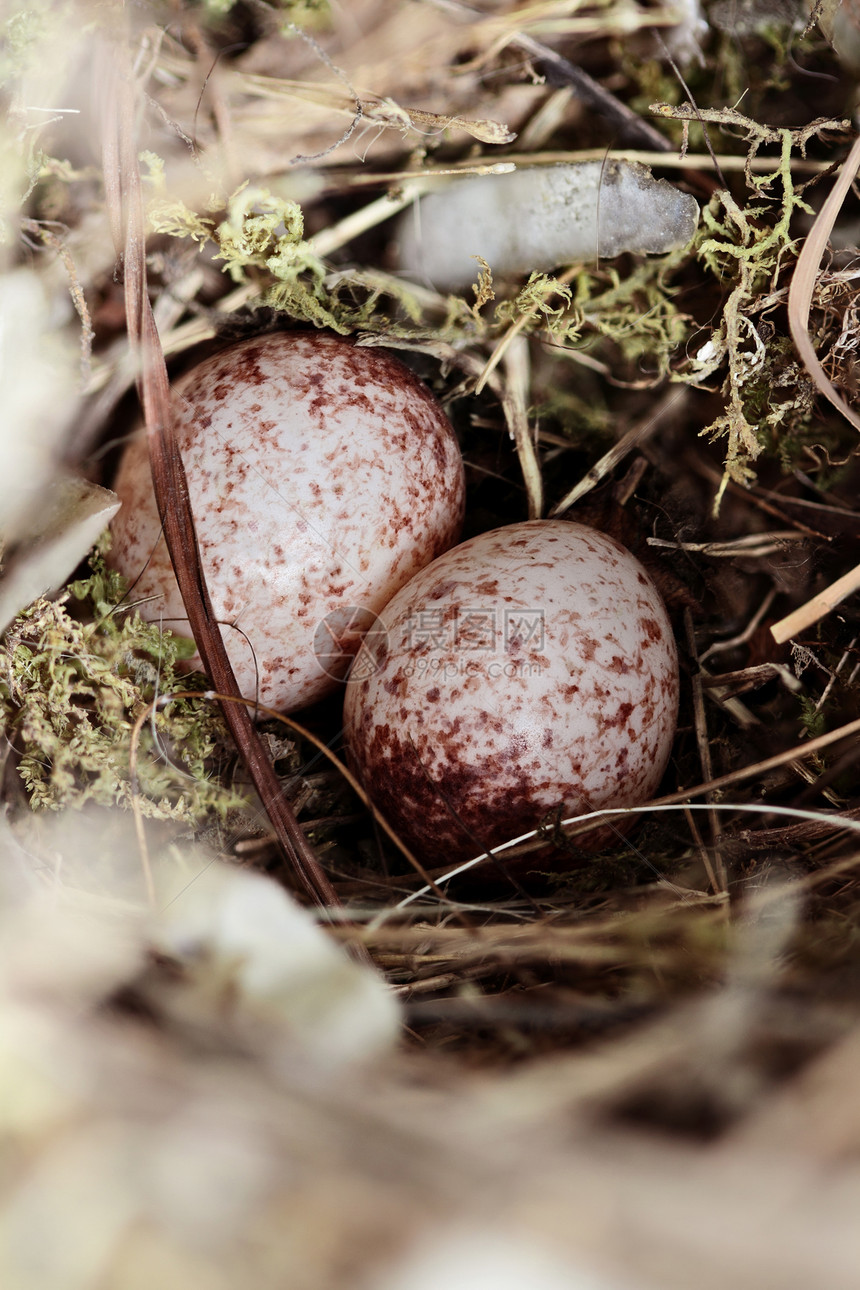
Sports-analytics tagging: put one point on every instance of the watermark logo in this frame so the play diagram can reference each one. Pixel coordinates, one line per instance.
(454, 668)
(524, 630)
(475, 630)
(337, 640)
(435, 642)
(474, 640)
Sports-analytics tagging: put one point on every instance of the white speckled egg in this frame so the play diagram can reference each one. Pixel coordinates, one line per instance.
(528, 670)
(322, 476)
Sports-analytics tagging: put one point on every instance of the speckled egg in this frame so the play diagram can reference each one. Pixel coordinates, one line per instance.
(322, 476)
(530, 670)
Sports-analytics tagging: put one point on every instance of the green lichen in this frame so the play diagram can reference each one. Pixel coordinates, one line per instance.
(260, 239)
(636, 312)
(747, 248)
(812, 718)
(75, 673)
(543, 301)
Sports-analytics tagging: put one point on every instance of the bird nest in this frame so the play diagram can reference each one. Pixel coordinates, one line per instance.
(635, 1068)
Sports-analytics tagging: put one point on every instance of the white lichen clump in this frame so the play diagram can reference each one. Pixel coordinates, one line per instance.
(536, 219)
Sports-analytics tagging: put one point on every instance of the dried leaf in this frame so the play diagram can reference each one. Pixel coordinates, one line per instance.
(70, 517)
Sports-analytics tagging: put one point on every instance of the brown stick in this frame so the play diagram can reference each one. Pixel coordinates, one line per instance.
(799, 619)
(123, 194)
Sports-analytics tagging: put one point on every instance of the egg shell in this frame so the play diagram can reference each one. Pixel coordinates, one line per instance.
(322, 476)
(529, 670)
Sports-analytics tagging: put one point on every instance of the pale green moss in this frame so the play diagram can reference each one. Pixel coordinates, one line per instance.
(75, 673)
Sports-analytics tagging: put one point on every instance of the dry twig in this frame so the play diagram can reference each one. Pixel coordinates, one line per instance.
(122, 184)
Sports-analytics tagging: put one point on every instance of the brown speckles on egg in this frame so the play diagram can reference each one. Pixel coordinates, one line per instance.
(471, 746)
(320, 474)
(650, 630)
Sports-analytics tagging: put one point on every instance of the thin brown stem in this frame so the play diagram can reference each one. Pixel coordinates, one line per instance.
(123, 194)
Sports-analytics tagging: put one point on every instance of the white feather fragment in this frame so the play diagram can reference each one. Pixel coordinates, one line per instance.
(539, 218)
(283, 971)
(483, 1258)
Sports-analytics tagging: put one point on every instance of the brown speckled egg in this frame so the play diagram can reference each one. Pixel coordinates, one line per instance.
(529, 670)
(322, 476)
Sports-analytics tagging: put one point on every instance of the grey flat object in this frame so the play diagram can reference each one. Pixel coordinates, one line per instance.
(542, 217)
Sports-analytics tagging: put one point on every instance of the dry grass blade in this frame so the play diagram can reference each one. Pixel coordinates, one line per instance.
(803, 284)
(516, 361)
(799, 302)
(713, 861)
(672, 400)
(122, 182)
(785, 758)
(800, 619)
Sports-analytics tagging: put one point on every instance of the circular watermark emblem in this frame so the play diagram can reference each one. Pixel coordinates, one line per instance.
(337, 640)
